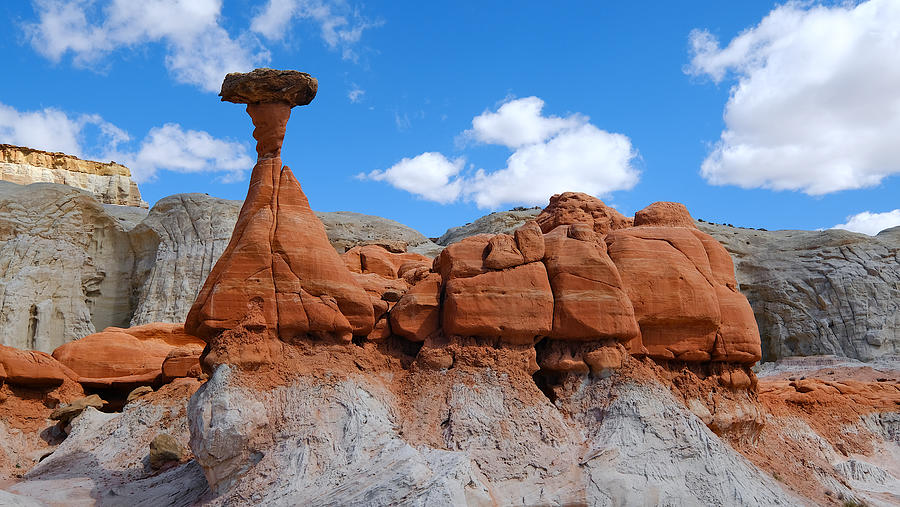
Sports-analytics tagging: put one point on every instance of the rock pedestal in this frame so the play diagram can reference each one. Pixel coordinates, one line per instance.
(279, 277)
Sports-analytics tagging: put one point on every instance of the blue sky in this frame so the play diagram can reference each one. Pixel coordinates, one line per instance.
(754, 113)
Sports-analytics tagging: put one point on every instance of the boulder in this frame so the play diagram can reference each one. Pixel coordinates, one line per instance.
(665, 214)
(666, 274)
(65, 413)
(137, 393)
(31, 368)
(417, 315)
(164, 449)
(515, 305)
(502, 253)
(290, 87)
(124, 358)
(464, 258)
(579, 208)
(589, 300)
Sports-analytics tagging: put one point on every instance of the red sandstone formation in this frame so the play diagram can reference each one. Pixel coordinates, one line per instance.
(583, 276)
(279, 273)
(32, 368)
(570, 208)
(125, 358)
(681, 283)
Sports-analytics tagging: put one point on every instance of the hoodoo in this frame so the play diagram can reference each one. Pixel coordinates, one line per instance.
(279, 277)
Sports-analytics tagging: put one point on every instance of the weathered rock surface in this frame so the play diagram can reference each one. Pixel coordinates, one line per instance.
(110, 183)
(105, 458)
(269, 86)
(65, 266)
(813, 293)
(500, 222)
(175, 248)
(579, 208)
(31, 368)
(347, 229)
(125, 358)
(482, 434)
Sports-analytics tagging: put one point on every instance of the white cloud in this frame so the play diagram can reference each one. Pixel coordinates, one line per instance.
(871, 223)
(172, 148)
(583, 158)
(199, 50)
(518, 123)
(341, 26)
(169, 147)
(551, 155)
(53, 130)
(429, 175)
(356, 94)
(816, 105)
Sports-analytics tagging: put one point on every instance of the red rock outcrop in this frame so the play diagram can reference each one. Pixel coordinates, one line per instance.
(579, 208)
(589, 301)
(279, 271)
(679, 299)
(32, 368)
(125, 358)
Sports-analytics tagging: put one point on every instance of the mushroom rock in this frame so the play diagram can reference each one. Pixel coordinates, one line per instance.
(125, 358)
(590, 302)
(32, 368)
(579, 208)
(279, 274)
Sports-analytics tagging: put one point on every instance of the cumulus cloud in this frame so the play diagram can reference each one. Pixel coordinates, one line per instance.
(53, 130)
(199, 50)
(430, 175)
(172, 148)
(871, 223)
(518, 123)
(550, 155)
(816, 103)
(341, 26)
(169, 147)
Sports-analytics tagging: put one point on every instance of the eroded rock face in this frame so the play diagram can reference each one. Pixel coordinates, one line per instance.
(110, 183)
(175, 248)
(829, 292)
(125, 358)
(579, 208)
(66, 265)
(678, 299)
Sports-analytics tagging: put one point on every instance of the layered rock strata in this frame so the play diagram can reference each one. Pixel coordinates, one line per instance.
(110, 182)
(819, 292)
(65, 263)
